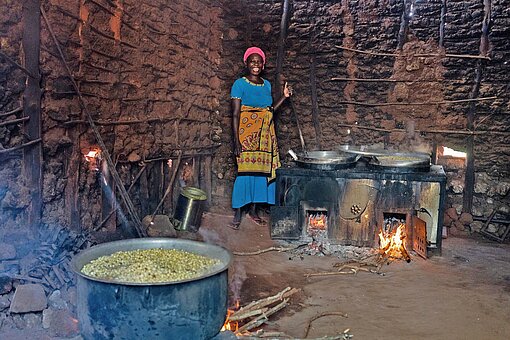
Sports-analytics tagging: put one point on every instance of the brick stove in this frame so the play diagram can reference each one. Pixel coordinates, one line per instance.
(350, 206)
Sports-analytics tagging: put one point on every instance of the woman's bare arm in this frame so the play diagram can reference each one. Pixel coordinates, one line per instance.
(236, 114)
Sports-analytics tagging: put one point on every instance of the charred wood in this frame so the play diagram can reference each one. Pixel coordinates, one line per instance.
(32, 154)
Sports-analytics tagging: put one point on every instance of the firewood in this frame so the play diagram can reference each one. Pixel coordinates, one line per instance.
(344, 315)
(262, 251)
(59, 274)
(327, 274)
(247, 314)
(255, 305)
(27, 278)
(50, 281)
(262, 318)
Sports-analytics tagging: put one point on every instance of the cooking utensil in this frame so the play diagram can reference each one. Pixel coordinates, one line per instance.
(363, 150)
(298, 125)
(401, 161)
(186, 309)
(326, 160)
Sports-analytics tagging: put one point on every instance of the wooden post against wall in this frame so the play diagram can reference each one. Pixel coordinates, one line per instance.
(108, 203)
(313, 87)
(32, 155)
(469, 183)
(281, 48)
(208, 178)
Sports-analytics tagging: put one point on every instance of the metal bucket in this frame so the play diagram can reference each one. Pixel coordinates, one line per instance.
(189, 208)
(188, 309)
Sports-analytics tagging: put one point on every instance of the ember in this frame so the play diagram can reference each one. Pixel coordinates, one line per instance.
(392, 243)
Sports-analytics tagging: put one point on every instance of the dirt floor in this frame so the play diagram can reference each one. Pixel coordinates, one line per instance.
(464, 294)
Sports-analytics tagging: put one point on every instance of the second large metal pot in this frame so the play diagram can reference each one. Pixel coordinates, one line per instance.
(326, 160)
(188, 309)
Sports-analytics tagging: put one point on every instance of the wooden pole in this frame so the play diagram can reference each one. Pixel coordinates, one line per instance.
(442, 23)
(469, 184)
(281, 48)
(207, 166)
(404, 26)
(32, 155)
(313, 90)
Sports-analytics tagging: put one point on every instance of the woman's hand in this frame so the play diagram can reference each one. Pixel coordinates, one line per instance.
(237, 148)
(287, 90)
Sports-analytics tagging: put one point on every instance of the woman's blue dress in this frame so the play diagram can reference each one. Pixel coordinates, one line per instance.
(247, 188)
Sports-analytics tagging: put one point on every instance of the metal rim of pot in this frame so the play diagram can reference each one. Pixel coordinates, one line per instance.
(363, 151)
(325, 157)
(108, 248)
(414, 160)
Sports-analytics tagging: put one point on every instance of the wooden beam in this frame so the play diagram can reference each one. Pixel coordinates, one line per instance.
(32, 155)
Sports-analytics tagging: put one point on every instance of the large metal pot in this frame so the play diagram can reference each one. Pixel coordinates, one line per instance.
(188, 309)
(325, 160)
(402, 161)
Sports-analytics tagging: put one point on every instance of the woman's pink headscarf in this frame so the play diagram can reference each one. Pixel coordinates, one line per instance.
(256, 50)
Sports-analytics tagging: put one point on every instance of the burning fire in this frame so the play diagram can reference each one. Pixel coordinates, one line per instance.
(92, 156)
(232, 326)
(317, 221)
(392, 244)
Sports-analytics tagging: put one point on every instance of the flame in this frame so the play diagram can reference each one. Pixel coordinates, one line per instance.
(393, 243)
(92, 154)
(317, 221)
(231, 325)
(92, 157)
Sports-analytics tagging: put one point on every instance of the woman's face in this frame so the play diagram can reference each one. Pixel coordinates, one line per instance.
(255, 64)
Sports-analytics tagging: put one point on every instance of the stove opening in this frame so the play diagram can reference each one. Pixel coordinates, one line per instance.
(391, 221)
(393, 236)
(317, 220)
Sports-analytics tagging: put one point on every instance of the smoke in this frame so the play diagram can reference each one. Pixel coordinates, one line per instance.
(236, 281)
(209, 236)
(415, 142)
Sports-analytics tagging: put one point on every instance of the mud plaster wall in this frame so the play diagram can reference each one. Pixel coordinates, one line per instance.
(152, 64)
(315, 30)
(156, 61)
(13, 194)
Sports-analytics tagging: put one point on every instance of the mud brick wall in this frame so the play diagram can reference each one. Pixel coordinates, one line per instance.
(434, 28)
(148, 74)
(156, 78)
(13, 193)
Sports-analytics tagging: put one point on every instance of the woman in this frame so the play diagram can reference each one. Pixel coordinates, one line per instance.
(255, 144)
